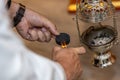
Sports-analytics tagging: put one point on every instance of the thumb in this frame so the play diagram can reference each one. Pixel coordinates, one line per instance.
(56, 49)
(79, 50)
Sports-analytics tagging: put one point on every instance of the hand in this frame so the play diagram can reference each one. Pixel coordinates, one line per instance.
(33, 26)
(70, 60)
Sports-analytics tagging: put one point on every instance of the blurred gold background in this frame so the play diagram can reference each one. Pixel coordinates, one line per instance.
(72, 5)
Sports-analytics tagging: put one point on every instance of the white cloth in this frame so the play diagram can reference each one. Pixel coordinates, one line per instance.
(19, 63)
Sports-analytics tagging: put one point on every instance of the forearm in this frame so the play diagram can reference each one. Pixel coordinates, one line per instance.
(13, 9)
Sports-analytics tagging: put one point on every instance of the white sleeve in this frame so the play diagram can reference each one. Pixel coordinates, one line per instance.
(40, 68)
(17, 62)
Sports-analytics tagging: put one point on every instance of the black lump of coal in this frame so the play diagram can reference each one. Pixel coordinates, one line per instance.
(63, 38)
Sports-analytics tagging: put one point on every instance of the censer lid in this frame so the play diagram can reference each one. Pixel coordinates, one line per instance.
(94, 11)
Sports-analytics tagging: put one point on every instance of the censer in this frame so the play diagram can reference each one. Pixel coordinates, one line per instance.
(94, 10)
(98, 38)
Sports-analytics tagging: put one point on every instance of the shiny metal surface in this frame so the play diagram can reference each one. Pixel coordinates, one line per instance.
(94, 10)
(100, 40)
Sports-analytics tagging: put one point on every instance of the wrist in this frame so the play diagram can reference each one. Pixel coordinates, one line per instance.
(16, 12)
(66, 67)
(19, 15)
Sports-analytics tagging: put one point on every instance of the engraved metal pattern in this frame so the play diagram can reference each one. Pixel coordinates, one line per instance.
(94, 10)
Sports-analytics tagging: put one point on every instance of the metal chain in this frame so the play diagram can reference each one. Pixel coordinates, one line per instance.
(113, 13)
(77, 11)
(114, 21)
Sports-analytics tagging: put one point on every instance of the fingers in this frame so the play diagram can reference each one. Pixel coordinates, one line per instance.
(41, 21)
(51, 27)
(34, 20)
(55, 49)
(47, 34)
(79, 50)
(33, 34)
(41, 35)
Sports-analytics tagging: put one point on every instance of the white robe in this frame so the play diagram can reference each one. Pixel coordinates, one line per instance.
(19, 63)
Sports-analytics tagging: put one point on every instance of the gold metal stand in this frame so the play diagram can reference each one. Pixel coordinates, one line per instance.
(103, 60)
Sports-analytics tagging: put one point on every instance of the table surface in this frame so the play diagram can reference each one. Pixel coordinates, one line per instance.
(56, 11)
